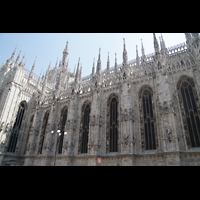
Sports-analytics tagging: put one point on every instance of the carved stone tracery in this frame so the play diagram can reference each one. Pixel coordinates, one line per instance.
(141, 91)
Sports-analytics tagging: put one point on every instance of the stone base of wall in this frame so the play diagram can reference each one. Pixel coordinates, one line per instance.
(12, 160)
(173, 158)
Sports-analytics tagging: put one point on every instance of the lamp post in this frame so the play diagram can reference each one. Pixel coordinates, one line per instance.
(58, 138)
(57, 141)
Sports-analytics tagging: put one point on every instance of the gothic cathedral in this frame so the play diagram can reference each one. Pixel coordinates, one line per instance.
(141, 112)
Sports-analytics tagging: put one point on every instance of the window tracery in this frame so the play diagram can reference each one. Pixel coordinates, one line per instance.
(62, 122)
(44, 125)
(112, 124)
(16, 128)
(188, 102)
(149, 138)
(84, 129)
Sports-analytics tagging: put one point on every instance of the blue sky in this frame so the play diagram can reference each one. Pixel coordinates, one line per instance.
(49, 46)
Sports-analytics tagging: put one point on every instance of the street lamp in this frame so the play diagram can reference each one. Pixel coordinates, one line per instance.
(58, 141)
(58, 131)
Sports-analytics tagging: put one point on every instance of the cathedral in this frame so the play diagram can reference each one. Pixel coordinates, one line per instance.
(142, 112)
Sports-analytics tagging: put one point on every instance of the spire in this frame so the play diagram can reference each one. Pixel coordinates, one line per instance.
(116, 68)
(67, 63)
(18, 57)
(108, 64)
(137, 57)
(93, 68)
(22, 62)
(10, 60)
(32, 70)
(163, 42)
(74, 70)
(48, 67)
(77, 72)
(33, 67)
(59, 64)
(25, 63)
(14, 53)
(56, 64)
(188, 39)
(156, 45)
(44, 84)
(125, 57)
(99, 63)
(39, 79)
(65, 53)
(143, 53)
(66, 48)
(80, 74)
(162, 45)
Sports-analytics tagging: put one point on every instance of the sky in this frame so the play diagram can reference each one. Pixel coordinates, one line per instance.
(47, 47)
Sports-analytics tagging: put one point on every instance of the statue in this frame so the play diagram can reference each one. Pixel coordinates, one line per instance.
(126, 139)
(169, 134)
(125, 115)
(1, 127)
(93, 120)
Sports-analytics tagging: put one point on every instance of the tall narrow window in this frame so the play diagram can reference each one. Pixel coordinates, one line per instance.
(191, 114)
(63, 121)
(85, 129)
(29, 129)
(44, 125)
(113, 125)
(16, 128)
(150, 142)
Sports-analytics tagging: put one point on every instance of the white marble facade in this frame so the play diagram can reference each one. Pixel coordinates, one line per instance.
(161, 73)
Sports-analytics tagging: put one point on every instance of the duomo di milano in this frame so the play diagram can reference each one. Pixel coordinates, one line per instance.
(141, 112)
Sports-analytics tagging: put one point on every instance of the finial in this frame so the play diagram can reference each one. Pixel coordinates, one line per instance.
(25, 63)
(93, 68)
(125, 57)
(116, 62)
(49, 67)
(78, 63)
(56, 63)
(18, 57)
(66, 48)
(33, 67)
(124, 44)
(108, 63)
(80, 74)
(77, 72)
(40, 73)
(67, 63)
(156, 45)
(94, 62)
(13, 54)
(99, 53)
(137, 57)
(143, 53)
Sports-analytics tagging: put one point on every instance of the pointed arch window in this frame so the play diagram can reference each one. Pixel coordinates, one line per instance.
(191, 114)
(16, 128)
(148, 121)
(44, 125)
(112, 135)
(85, 129)
(113, 125)
(63, 122)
